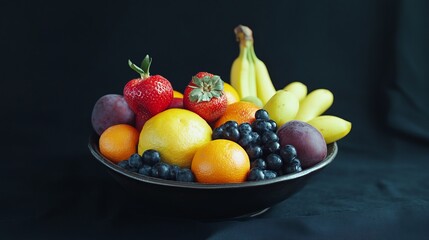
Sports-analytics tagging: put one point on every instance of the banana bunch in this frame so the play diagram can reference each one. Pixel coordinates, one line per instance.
(293, 103)
(249, 75)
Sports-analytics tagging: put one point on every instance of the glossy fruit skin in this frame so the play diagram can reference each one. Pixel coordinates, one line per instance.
(176, 134)
(135, 160)
(259, 163)
(109, 110)
(241, 112)
(220, 161)
(256, 174)
(118, 142)
(292, 167)
(282, 107)
(161, 170)
(209, 110)
(308, 141)
(151, 157)
(288, 153)
(152, 95)
(151, 164)
(261, 142)
(332, 128)
(262, 114)
(185, 175)
(231, 94)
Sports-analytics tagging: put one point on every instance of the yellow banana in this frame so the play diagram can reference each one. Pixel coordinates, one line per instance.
(298, 88)
(243, 69)
(264, 85)
(252, 72)
(240, 73)
(314, 104)
(282, 107)
(252, 78)
(332, 128)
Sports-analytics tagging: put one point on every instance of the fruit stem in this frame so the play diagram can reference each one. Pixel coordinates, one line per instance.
(143, 70)
(243, 35)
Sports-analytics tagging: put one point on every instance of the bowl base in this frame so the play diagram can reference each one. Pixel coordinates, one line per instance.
(254, 214)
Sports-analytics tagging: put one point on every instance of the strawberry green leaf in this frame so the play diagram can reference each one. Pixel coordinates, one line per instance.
(147, 61)
(206, 88)
(135, 67)
(143, 70)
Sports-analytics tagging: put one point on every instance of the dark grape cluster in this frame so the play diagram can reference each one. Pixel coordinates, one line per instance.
(150, 164)
(259, 139)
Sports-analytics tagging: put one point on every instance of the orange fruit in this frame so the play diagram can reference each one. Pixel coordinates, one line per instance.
(176, 134)
(230, 93)
(240, 112)
(220, 161)
(118, 142)
(177, 94)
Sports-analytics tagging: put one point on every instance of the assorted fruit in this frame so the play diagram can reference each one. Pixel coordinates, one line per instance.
(213, 132)
(259, 139)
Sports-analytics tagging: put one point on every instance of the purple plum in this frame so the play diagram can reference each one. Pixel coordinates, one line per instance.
(109, 110)
(308, 141)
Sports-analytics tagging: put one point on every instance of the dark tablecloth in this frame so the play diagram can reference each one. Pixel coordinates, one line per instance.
(59, 58)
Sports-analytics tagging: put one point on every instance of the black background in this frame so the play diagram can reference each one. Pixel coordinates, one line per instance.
(58, 58)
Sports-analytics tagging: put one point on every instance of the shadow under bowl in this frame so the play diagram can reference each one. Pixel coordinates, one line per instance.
(208, 201)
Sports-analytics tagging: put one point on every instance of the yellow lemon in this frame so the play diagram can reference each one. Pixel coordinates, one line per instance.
(230, 93)
(177, 94)
(176, 134)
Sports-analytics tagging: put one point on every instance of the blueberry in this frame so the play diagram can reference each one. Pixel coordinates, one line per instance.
(231, 133)
(268, 174)
(174, 169)
(151, 157)
(135, 161)
(124, 164)
(230, 123)
(268, 137)
(255, 174)
(261, 126)
(293, 166)
(145, 170)
(288, 153)
(163, 170)
(273, 127)
(244, 128)
(272, 147)
(154, 172)
(217, 133)
(262, 114)
(245, 140)
(254, 151)
(185, 175)
(256, 139)
(259, 164)
(274, 162)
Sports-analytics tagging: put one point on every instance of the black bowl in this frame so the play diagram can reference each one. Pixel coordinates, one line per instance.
(208, 201)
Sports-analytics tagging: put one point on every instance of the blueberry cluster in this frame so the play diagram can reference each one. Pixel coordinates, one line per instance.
(150, 164)
(259, 139)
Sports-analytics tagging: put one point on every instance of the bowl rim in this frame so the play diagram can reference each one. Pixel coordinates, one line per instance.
(93, 147)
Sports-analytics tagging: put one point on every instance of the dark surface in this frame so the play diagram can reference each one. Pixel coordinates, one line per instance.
(57, 59)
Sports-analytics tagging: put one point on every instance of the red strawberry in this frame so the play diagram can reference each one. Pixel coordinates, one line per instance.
(150, 94)
(204, 95)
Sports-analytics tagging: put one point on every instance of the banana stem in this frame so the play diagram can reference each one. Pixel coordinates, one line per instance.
(243, 35)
